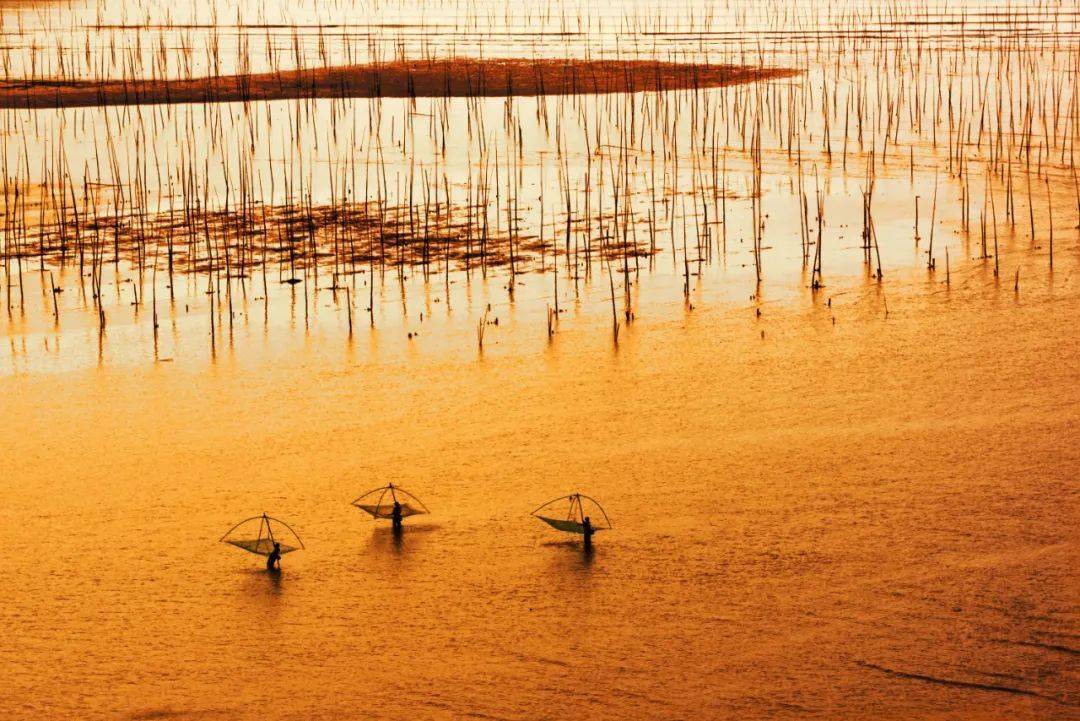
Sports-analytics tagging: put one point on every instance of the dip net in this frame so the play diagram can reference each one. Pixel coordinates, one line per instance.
(258, 535)
(568, 514)
(379, 503)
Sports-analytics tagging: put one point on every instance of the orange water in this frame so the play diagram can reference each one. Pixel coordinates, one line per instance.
(898, 492)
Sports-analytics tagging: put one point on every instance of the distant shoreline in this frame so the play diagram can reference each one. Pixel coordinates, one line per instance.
(440, 78)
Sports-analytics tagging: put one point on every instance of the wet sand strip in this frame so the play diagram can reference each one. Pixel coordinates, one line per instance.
(404, 79)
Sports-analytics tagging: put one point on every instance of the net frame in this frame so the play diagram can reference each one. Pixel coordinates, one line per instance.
(265, 533)
(574, 520)
(407, 509)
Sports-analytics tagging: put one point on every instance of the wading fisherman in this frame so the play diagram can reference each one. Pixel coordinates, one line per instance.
(273, 561)
(587, 531)
(396, 516)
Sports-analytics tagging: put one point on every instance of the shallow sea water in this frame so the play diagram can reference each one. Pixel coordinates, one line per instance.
(790, 513)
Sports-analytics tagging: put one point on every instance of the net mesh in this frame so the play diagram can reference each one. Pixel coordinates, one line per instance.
(564, 525)
(568, 514)
(259, 534)
(386, 510)
(380, 502)
(261, 546)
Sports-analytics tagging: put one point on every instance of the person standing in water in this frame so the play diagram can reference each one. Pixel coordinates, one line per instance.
(587, 530)
(396, 516)
(273, 561)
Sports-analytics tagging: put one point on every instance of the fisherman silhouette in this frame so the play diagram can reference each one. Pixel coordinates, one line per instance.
(396, 516)
(588, 531)
(273, 561)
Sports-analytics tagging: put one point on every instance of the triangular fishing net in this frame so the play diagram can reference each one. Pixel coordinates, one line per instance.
(258, 535)
(568, 514)
(379, 503)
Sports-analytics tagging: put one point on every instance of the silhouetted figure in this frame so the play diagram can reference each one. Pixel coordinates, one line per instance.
(588, 531)
(273, 561)
(396, 516)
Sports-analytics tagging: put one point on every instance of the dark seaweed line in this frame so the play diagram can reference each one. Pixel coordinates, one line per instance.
(1046, 646)
(965, 684)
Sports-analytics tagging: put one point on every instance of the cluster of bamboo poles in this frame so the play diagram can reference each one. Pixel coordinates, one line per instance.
(572, 184)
